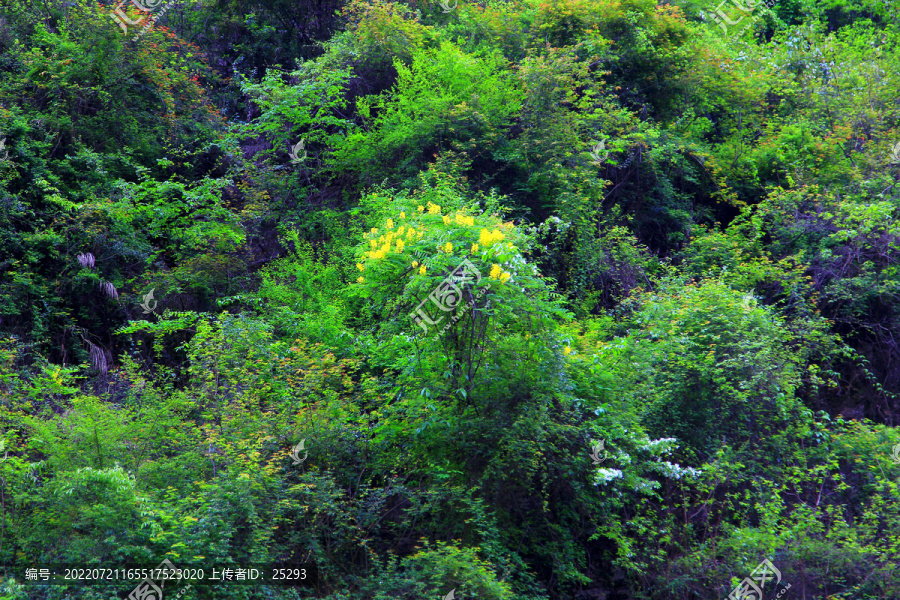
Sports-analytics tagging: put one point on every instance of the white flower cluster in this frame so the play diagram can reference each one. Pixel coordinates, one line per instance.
(676, 471)
(646, 485)
(652, 445)
(606, 475)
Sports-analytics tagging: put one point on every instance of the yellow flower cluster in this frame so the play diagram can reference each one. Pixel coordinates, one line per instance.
(385, 243)
(567, 350)
(421, 267)
(396, 240)
(497, 272)
(488, 238)
(464, 220)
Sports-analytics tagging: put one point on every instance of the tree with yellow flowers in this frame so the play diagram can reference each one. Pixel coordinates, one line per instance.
(447, 280)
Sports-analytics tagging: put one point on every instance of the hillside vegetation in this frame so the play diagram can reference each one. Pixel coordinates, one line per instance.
(533, 299)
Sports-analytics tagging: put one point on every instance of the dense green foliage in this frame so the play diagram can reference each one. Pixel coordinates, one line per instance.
(680, 239)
